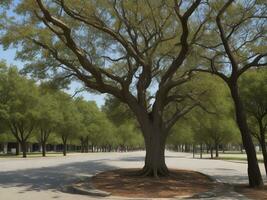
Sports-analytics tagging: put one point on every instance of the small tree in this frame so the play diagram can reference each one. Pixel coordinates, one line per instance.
(3, 97)
(181, 134)
(127, 132)
(48, 117)
(70, 121)
(89, 113)
(21, 106)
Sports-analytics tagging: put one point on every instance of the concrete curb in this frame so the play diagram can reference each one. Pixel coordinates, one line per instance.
(84, 187)
(88, 189)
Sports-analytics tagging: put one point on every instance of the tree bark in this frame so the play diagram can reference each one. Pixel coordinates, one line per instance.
(82, 144)
(264, 152)
(64, 149)
(211, 152)
(254, 175)
(155, 154)
(263, 144)
(217, 150)
(24, 149)
(44, 135)
(65, 146)
(43, 148)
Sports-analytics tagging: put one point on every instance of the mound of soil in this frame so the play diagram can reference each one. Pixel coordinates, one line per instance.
(122, 182)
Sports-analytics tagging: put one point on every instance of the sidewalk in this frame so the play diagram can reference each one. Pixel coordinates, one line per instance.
(41, 178)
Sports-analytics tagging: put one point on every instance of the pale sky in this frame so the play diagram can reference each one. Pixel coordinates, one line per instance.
(9, 57)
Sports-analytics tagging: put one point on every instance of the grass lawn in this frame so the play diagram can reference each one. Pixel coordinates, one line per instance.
(33, 155)
(231, 156)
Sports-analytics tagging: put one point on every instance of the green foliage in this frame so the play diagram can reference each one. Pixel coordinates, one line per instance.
(213, 121)
(20, 98)
(253, 89)
(127, 132)
(71, 119)
(95, 124)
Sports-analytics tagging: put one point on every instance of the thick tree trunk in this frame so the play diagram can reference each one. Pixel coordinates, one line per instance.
(254, 175)
(155, 154)
(263, 147)
(264, 153)
(262, 143)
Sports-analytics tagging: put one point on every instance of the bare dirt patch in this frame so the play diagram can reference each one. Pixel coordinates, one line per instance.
(252, 193)
(122, 182)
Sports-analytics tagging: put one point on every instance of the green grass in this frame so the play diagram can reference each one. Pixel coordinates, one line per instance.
(232, 156)
(236, 158)
(34, 155)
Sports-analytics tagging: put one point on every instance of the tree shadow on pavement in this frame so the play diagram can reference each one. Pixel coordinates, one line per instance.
(52, 178)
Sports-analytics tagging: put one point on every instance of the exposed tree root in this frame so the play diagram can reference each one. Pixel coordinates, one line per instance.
(152, 172)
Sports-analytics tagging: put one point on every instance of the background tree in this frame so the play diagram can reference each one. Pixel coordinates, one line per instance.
(90, 114)
(21, 106)
(213, 125)
(128, 132)
(181, 136)
(48, 117)
(235, 41)
(70, 121)
(253, 92)
(3, 97)
(129, 137)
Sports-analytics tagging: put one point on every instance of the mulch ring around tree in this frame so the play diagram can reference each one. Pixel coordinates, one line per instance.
(252, 193)
(180, 183)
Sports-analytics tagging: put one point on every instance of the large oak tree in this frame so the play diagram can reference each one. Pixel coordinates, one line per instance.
(129, 49)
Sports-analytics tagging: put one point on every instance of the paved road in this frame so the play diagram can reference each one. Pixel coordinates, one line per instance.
(42, 178)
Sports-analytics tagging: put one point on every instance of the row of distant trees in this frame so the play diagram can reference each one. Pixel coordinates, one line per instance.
(217, 128)
(42, 114)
